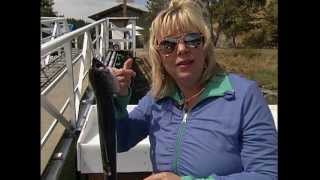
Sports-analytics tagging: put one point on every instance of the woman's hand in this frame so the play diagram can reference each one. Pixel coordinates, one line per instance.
(163, 176)
(123, 77)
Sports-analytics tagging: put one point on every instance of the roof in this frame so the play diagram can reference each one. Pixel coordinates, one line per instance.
(116, 8)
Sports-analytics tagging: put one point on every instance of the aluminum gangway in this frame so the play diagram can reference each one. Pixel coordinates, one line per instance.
(66, 99)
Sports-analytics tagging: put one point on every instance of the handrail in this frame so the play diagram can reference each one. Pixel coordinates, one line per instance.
(59, 41)
(56, 27)
(73, 97)
(52, 20)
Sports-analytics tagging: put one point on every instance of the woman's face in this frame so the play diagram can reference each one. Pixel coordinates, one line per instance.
(183, 57)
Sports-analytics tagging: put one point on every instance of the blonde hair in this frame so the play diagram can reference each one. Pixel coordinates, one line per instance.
(180, 16)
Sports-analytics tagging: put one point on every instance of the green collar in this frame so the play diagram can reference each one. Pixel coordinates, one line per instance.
(217, 86)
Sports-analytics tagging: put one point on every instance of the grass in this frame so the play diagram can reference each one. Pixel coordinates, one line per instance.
(260, 65)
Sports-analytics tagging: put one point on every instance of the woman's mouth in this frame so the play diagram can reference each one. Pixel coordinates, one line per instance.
(185, 63)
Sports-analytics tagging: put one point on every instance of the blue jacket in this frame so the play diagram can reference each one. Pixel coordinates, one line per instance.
(228, 135)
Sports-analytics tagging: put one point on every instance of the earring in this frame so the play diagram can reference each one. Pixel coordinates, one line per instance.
(162, 71)
(163, 77)
(205, 64)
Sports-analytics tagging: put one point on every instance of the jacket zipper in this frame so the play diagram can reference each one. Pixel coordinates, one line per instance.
(178, 141)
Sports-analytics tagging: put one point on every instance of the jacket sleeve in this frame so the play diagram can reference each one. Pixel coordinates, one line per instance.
(132, 127)
(259, 152)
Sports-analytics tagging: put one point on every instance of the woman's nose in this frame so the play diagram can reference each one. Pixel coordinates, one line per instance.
(181, 48)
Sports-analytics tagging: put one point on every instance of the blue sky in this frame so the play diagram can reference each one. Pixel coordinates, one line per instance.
(81, 9)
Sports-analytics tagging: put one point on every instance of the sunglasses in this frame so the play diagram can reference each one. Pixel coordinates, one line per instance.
(190, 40)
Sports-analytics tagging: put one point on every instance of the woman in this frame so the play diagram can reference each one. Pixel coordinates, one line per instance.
(202, 123)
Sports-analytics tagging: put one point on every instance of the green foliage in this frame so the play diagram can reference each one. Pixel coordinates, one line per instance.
(154, 7)
(46, 8)
(235, 17)
(248, 23)
(267, 34)
(271, 25)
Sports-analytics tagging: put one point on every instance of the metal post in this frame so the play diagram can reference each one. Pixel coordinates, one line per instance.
(58, 34)
(55, 30)
(103, 40)
(66, 27)
(76, 43)
(87, 47)
(134, 38)
(97, 40)
(41, 33)
(67, 50)
(107, 34)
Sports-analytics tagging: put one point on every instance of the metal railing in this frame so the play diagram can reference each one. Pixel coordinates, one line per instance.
(95, 44)
(85, 57)
(53, 27)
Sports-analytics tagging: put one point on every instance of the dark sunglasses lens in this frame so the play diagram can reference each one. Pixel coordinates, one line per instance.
(193, 40)
(167, 46)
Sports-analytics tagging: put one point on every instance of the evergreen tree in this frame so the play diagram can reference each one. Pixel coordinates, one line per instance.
(266, 35)
(46, 8)
(234, 17)
(154, 7)
(271, 24)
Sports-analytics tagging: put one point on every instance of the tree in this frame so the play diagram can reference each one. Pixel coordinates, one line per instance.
(234, 17)
(266, 35)
(46, 8)
(271, 24)
(154, 7)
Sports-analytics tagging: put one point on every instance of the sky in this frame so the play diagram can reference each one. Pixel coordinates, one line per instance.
(81, 9)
